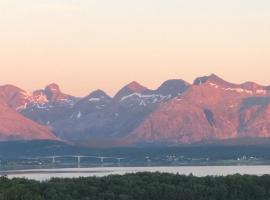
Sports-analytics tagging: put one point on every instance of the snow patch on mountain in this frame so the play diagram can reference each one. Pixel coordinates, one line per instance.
(79, 115)
(263, 92)
(239, 90)
(94, 99)
(153, 97)
(214, 85)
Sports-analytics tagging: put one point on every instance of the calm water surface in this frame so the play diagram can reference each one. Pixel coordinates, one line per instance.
(200, 171)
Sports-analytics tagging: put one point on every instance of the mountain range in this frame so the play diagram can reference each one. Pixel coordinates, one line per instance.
(178, 112)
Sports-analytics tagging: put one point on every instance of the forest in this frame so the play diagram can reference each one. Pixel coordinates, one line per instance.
(140, 186)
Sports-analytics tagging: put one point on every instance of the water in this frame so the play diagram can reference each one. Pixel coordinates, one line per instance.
(46, 174)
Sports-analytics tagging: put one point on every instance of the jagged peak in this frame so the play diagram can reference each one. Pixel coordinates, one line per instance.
(173, 86)
(213, 78)
(252, 85)
(133, 87)
(38, 92)
(54, 93)
(53, 87)
(136, 87)
(98, 94)
(13, 95)
(172, 82)
(10, 87)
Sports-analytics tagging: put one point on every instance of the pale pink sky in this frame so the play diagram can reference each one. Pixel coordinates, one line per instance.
(84, 45)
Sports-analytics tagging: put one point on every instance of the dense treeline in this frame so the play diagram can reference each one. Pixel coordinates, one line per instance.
(141, 186)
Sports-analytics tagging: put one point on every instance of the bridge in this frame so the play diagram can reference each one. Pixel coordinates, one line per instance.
(78, 158)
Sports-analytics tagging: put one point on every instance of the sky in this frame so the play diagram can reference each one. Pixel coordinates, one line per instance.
(85, 45)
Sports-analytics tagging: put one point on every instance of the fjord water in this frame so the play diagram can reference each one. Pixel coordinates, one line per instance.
(46, 174)
(197, 160)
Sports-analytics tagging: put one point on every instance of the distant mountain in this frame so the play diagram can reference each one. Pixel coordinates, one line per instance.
(210, 109)
(41, 106)
(173, 87)
(47, 105)
(15, 97)
(14, 126)
(100, 117)
(131, 88)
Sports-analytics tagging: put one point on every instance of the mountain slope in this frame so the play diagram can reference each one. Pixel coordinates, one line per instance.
(15, 97)
(14, 126)
(48, 105)
(99, 117)
(209, 110)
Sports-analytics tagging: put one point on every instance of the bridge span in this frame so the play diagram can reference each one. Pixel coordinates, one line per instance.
(78, 159)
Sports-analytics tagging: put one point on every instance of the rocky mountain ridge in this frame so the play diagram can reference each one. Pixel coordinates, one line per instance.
(175, 113)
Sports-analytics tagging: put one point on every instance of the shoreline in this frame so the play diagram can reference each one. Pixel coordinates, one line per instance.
(199, 171)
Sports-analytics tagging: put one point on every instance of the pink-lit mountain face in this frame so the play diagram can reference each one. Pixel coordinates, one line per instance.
(14, 126)
(13, 100)
(19, 99)
(47, 105)
(211, 109)
(177, 112)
